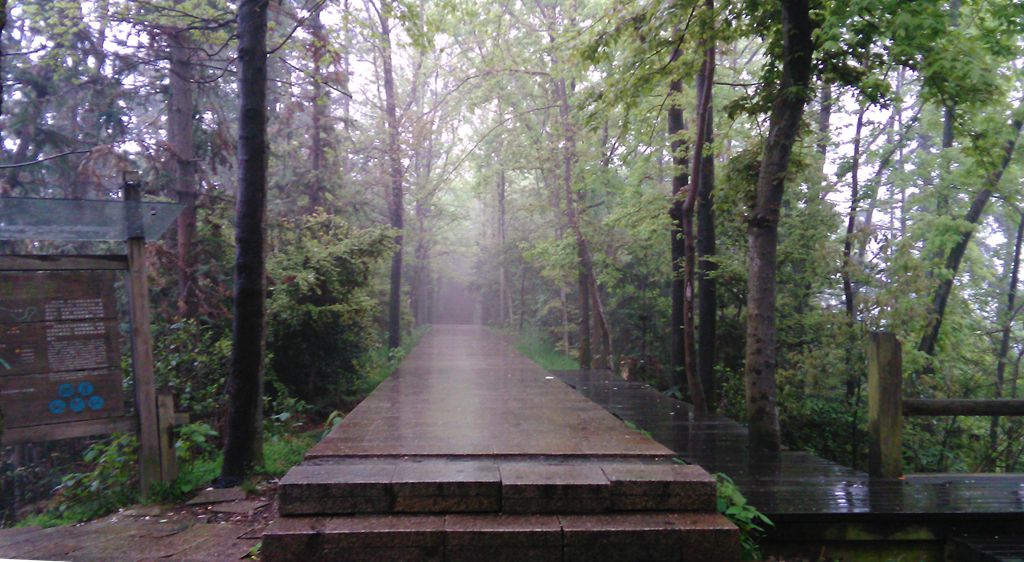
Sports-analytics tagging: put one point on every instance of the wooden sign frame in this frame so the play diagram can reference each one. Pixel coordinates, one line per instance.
(154, 418)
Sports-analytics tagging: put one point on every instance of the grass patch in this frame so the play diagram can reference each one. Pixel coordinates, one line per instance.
(281, 452)
(536, 344)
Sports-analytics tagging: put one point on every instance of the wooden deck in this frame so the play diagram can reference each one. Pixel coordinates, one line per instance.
(807, 496)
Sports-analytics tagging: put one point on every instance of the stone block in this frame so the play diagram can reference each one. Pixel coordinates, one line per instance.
(553, 488)
(446, 486)
(660, 487)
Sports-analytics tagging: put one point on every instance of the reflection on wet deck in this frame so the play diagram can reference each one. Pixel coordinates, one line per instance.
(795, 483)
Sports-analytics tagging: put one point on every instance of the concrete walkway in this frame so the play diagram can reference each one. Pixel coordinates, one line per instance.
(464, 392)
(471, 452)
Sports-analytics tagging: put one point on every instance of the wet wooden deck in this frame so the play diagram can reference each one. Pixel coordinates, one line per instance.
(806, 495)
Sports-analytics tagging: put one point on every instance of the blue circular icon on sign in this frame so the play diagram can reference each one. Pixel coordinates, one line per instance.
(95, 402)
(76, 404)
(65, 390)
(85, 388)
(57, 406)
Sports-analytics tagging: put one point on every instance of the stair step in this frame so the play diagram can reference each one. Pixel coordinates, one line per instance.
(412, 485)
(653, 537)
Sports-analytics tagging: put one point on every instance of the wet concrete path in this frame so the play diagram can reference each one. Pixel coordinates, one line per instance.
(471, 452)
(463, 391)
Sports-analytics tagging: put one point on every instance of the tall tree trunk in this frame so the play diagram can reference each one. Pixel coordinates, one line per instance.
(245, 381)
(707, 311)
(183, 167)
(851, 226)
(824, 119)
(941, 297)
(680, 179)
(704, 84)
(763, 224)
(584, 263)
(396, 204)
(3, 24)
(320, 99)
(948, 119)
(503, 309)
(1013, 265)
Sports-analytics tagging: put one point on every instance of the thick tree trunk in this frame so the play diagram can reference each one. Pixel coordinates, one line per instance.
(183, 167)
(707, 311)
(763, 225)
(941, 297)
(396, 203)
(704, 84)
(680, 179)
(245, 381)
(585, 264)
(3, 24)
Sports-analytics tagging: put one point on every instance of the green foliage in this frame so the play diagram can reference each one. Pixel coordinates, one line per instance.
(752, 523)
(191, 361)
(320, 310)
(281, 452)
(283, 413)
(108, 484)
(535, 344)
(333, 420)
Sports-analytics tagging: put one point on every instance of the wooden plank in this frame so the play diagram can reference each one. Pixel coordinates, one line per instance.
(64, 263)
(46, 347)
(959, 407)
(31, 400)
(56, 296)
(38, 434)
(885, 419)
(165, 415)
(142, 348)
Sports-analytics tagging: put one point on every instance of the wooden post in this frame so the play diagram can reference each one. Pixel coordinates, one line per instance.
(885, 404)
(142, 344)
(166, 418)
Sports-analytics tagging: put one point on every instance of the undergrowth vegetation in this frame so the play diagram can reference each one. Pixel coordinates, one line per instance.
(106, 479)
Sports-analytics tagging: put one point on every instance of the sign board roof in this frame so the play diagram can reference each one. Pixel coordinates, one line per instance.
(23, 218)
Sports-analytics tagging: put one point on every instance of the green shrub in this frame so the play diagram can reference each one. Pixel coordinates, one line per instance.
(751, 522)
(109, 484)
(320, 309)
(192, 361)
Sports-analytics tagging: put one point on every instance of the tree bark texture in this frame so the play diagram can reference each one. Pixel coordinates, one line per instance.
(396, 203)
(680, 179)
(180, 137)
(245, 381)
(320, 99)
(851, 223)
(763, 224)
(705, 81)
(707, 293)
(585, 263)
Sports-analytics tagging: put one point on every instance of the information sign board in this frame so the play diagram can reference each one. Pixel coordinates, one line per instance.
(59, 359)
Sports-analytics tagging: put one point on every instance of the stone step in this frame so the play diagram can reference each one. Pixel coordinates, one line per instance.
(487, 486)
(651, 537)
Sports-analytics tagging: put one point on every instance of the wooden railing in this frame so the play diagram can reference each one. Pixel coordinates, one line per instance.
(887, 407)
